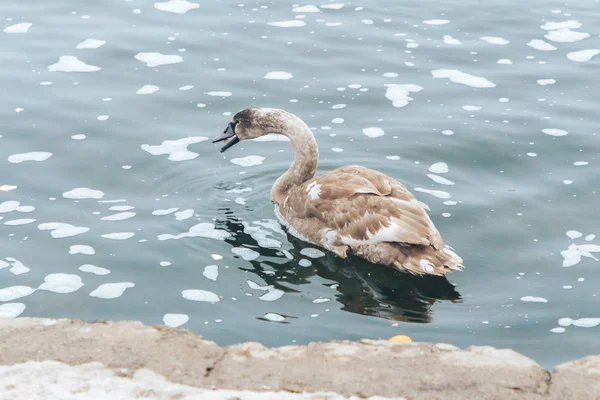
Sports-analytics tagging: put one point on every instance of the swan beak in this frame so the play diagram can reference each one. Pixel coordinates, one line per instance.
(228, 137)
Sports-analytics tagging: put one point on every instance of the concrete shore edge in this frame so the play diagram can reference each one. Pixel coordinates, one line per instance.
(130, 360)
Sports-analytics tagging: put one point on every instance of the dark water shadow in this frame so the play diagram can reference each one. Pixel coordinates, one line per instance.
(362, 287)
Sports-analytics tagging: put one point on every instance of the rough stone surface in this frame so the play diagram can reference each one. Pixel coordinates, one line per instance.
(338, 369)
(579, 379)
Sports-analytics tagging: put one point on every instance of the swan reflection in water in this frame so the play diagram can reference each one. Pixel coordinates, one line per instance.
(362, 287)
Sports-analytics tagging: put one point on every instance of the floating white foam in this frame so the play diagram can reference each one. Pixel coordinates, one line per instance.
(274, 317)
(72, 64)
(83, 193)
(333, 6)
(437, 193)
(102, 117)
(373, 132)
(558, 330)
(78, 137)
(119, 217)
(111, 290)
(572, 256)
(204, 229)
(246, 253)
(471, 108)
(32, 156)
(574, 234)
(436, 21)
(440, 179)
(303, 262)
(165, 264)
(121, 208)
(119, 235)
(532, 299)
(321, 300)
(306, 9)
(400, 94)
(22, 27)
(91, 44)
(18, 268)
(463, 78)
(11, 310)
(166, 211)
(7, 188)
(367, 21)
(312, 252)
(92, 269)
(211, 272)
(155, 59)
(586, 322)
(261, 235)
(439, 168)
(200, 295)
(566, 36)
(61, 230)
(504, 61)
(583, 55)
(82, 249)
(219, 94)
(393, 158)
(555, 132)
(541, 45)
(175, 320)
(544, 82)
(248, 161)
(148, 89)
(61, 283)
(18, 222)
(185, 214)
(176, 149)
(450, 40)
(176, 6)
(494, 40)
(288, 24)
(580, 163)
(9, 206)
(185, 88)
(571, 24)
(15, 292)
(272, 294)
(278, 75)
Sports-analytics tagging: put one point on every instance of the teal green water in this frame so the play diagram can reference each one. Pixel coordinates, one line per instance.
(515, 121)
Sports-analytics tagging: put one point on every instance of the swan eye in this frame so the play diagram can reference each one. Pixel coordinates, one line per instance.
(237, 121)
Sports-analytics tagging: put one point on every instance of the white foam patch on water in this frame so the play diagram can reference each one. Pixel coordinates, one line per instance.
(18, 268)
(211, 272)
(9, 206)
(312, 252)
(572, 256)
(590, 237)
(61, 230)
(148, 89)
(387, 75)
(574, 234)
(393, 158)
(471, 108)
(436, 21)
(185, 214)
(78, 137)
(306, 9)
(504, 61)
(61, 283)
(166, 211)
(399, 95)
(175, 320)
(272, 294)
(274, 317)
(111, 290)
(278, 75)
(7, 188)
(541, 45)
(72, 64)
(82, 249)
(337, 120)
(102, 117)
(436, 193)
(176, 6)
(15, 292)
(494, 40)
(583, 55)
(450, 40)
(544, 82)
(219, 94)
(32, 156)
(566, 36)
(321, 300)
(176, 149)
(580, 163)
(571, 24)
(92, 269)
(91, 44)
(203, 229)
(555, 132)
(245, 253)
(248, 161)
(373, 132)
(261, 235)
(200, 295)
(255, 286)
(83, 193)
(295, 23)
(304, 263)
(153, 59)
(11, 310)
(119, 217)
(119, 235)
(22, 27)
(463, 78)
(439, 168)
(165, 264)
(121, 208)
(333, 6)
(533, 299)
(440, 179)
(19, 222)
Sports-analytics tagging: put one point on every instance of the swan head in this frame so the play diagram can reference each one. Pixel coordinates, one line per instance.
(251, 123)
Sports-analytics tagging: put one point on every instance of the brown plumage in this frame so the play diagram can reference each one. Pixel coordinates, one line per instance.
(349, 210)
